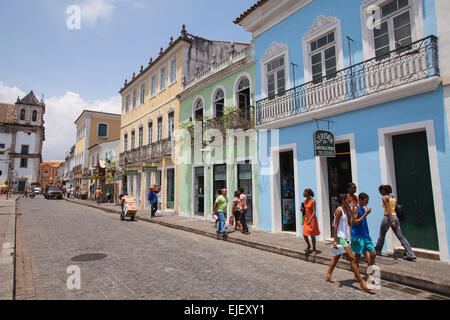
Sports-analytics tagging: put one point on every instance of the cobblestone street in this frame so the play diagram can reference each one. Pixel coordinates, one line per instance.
(148, 261)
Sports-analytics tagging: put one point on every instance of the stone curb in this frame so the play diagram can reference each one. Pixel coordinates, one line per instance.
(397, 278)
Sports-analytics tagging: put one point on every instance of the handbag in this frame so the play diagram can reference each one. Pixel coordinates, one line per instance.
(231, 219)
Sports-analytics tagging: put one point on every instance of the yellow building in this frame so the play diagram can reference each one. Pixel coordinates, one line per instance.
(93, 128)
(150, 115)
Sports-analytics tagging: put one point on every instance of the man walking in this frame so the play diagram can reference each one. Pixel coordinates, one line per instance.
(220, 207)
(153, 199)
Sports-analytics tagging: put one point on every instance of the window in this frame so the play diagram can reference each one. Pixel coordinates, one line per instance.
(323, 56)
(394, 30)
(275, 73)
(2, 146)
(134, 98)
(173, 71)
(159, 128)
(34, 117)
(243, 96)
(141, 137)
(102, 130)
(142, 96)
(25, 149)
(46, 175)
(22, 114)
(162, 79)
(171, 123)
(219, 103)
(24, 163)
(150, 132)
(127, 104)
(153, 86)
(198, 110)
(133, 140)
(125, 142)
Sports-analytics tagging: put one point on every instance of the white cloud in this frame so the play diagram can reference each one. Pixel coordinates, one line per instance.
(92, 10)
(60, 115)
(9, 94)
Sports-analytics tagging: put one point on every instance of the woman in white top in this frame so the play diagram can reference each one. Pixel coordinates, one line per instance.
(342, 223)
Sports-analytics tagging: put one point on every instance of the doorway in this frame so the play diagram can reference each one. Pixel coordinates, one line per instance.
(245, 181)
(414, 189)
(170, 203)
(219, 179)
(199, 191)
(287, 191)
(339, 176)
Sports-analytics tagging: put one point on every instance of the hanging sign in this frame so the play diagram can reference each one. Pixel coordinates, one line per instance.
(324, 145)
(131, 172)
(149, 169)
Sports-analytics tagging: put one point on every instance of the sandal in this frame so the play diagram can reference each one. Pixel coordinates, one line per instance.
(308, 250)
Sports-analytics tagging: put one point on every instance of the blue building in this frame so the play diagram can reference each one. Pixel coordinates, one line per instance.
(368, 71)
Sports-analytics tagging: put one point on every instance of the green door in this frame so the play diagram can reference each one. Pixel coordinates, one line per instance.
(414, 190)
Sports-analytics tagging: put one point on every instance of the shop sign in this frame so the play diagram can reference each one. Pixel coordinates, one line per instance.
(149, 169)
(86, 175)
(131, 172)
(324, 144)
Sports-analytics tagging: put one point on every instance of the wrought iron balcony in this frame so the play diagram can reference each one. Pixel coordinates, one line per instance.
(241, 118)
(152, 152)
(78, 169)
(407, 64)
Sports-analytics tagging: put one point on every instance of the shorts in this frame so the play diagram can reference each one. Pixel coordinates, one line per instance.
(237, 215)
(343, 242)
(359, 245)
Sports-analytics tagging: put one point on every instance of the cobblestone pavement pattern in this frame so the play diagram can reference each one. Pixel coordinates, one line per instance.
(148, 261)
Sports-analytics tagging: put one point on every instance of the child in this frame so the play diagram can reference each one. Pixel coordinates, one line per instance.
(361, 240)
(310, 225)
(342, 221)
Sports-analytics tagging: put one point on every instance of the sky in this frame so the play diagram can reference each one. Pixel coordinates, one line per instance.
(80, 64)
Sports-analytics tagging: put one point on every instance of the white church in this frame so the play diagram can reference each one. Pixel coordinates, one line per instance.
(21, 137)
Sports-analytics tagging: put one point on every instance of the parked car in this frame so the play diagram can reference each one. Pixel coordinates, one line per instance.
(53, 193)
(37, 190)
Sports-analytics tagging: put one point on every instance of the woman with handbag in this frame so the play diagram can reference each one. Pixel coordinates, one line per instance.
(390, 220)
(236, 211)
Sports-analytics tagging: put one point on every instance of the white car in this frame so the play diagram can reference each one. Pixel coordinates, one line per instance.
(37, 190)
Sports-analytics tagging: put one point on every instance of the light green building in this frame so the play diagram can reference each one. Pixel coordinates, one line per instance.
(217, 147)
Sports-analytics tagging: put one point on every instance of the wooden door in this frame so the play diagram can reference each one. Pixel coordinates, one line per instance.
(414, 190)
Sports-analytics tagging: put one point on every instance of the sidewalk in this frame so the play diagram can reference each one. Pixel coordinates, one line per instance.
(7, 241)
(423, 274)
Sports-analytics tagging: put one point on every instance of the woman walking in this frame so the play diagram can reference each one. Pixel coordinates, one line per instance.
(353, 198)
(310, 224)
(243, 210)
(342, 222)
(390, 220)
(236, 210)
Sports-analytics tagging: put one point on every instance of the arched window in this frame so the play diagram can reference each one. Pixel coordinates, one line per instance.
(198, 110)
(243, 93)
(22, 114)
(34, 118)
(219, 103)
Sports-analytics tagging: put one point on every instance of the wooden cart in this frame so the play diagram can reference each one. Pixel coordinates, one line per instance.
(129, 208)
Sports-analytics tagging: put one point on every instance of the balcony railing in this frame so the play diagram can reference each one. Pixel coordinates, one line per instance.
(407, 64)
(241, 118)
(153, 152)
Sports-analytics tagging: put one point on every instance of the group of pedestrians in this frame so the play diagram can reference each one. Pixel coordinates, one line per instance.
(239, 211)
(350, 226)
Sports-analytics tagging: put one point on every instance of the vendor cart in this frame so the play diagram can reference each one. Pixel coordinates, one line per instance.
(129, 208)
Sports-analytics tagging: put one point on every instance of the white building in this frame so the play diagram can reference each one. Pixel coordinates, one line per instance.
(21, 136)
